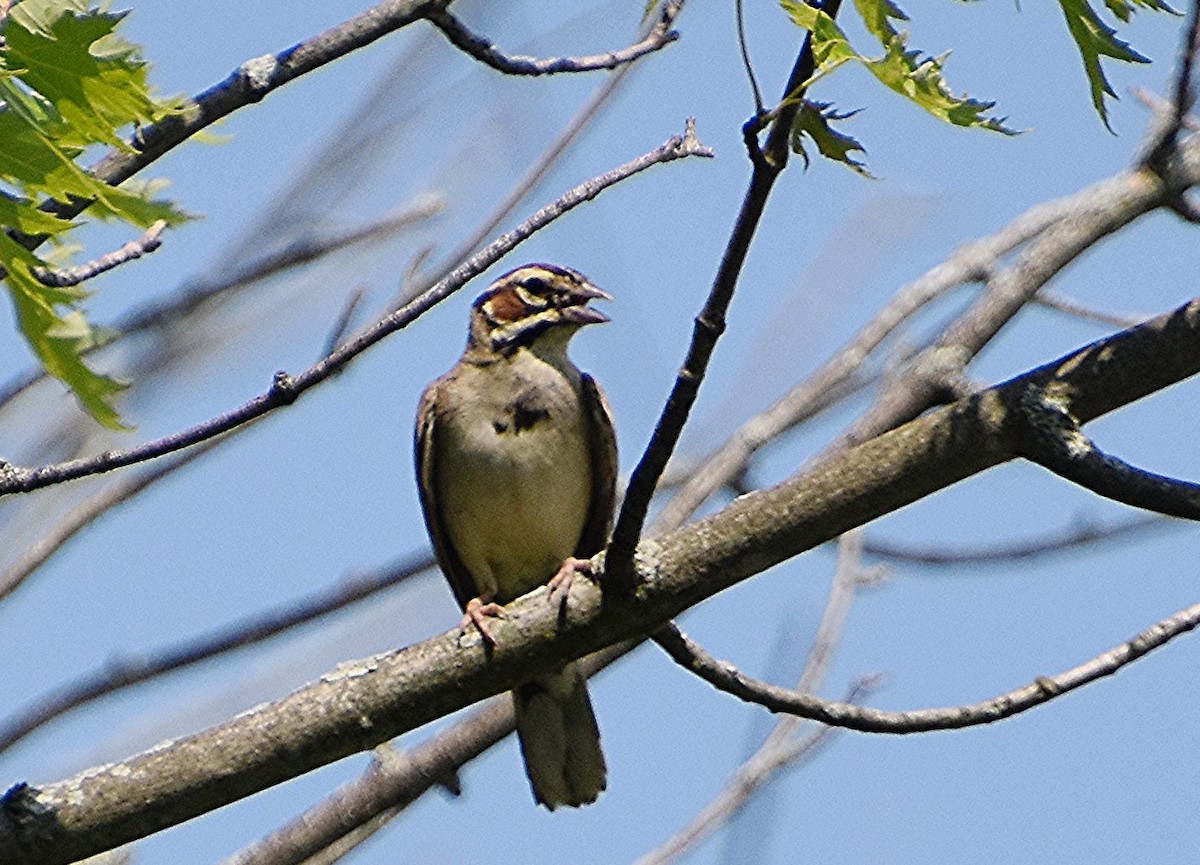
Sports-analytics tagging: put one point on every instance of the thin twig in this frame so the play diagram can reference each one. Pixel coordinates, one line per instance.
(525, 184)
(485, 52)
(725, 677)
(1059, 303)
(342, 326)
(68, 276)
(1012, 552)
(286, 388)
(747, 64)
(123, 672)
(162, 312)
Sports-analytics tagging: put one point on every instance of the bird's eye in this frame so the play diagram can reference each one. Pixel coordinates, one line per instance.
(537, 285)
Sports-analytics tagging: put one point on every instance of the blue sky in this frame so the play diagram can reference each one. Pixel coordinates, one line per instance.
(325, 488)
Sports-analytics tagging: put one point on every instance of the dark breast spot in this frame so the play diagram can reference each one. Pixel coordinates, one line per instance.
(520, 415)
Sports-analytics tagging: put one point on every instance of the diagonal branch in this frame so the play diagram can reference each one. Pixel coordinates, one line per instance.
(286, 389)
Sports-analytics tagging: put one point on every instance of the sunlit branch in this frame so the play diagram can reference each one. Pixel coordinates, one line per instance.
(68, 276)
(485, 52)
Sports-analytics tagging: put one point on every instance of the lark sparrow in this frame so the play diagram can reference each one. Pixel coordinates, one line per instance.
(516, 466)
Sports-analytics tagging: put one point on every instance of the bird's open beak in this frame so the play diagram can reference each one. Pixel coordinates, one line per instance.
(579, 312)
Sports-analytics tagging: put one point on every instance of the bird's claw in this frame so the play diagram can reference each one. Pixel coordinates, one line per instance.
(478, 611)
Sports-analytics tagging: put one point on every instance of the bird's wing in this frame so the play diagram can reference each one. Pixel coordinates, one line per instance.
(435, 520)
(602, 447)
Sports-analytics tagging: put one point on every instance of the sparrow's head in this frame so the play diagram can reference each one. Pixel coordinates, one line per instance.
(537, 303)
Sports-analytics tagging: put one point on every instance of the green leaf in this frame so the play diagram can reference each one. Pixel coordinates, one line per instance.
(1095, 39)
(68, 81)
(814, 120)
(914, 76)
(1124, 9)
(57, 340)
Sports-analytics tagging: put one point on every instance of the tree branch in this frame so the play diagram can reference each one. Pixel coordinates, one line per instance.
(1058, 444)
(1011, 552)
(709, 325)
(485, 52)
(123, 672)
(68, 276)
(726, 677)
(286, 388)
(363, 703)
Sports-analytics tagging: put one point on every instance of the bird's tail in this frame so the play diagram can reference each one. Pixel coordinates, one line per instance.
(560, 739)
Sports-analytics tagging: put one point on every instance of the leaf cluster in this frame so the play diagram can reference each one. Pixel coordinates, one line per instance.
(920, 77)
(68, 82)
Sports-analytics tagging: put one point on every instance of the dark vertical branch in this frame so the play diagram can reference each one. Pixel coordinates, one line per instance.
(769, 162)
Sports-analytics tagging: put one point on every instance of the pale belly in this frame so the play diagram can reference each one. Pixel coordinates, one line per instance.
(517, 501)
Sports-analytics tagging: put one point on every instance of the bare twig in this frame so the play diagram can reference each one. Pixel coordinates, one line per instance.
(68, 276)
(181, 303)
(342, 326)
(1059, 303)
(726, 677)
(1012, 552)
(286, 389)
(123, 672)
(485, 52)
(747, 64)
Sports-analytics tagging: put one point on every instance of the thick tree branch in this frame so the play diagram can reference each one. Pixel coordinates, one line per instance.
(485, 52)
(364, 703)
(726, 677)
(286, 388)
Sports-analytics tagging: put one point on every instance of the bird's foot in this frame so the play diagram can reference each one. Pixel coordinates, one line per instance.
(479, 610)
(560, 583)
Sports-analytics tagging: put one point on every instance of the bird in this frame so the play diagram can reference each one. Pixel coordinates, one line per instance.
(516, 461)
